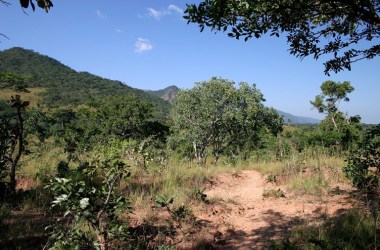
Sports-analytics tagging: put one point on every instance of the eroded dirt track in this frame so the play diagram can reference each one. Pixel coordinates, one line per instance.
(238, 217)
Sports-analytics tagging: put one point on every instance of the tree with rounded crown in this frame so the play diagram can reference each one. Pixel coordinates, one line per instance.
(216, 117)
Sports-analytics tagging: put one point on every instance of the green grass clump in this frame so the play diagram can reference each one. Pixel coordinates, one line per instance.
(273, 193)
(314, 185)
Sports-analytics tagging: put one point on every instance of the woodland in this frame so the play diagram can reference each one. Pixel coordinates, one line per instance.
(75, 174)
(91, 163)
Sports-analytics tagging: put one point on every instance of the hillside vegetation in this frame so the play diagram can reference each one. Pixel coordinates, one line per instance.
(168, 93)
(65, 86)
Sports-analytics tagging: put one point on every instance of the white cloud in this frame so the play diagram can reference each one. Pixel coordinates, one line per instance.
(142, 45)
(157, 14)
(170, 10)
(101, 15)
(119, 30)
(176, 9)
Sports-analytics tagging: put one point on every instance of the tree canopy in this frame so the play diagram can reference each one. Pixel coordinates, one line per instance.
(217, 117)
(337, 126)
(347, 30)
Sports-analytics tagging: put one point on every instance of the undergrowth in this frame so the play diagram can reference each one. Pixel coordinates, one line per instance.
(351, 230)
(309, 173)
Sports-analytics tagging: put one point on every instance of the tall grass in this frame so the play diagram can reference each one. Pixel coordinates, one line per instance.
(310, 172)
(352, 230)
(183, 180)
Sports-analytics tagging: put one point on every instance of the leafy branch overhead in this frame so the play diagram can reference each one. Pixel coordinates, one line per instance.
(346, 30)
(43, 4)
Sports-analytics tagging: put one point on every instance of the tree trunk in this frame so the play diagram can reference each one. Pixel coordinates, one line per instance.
(20, 149)
(102, 240)
(216, 158)
(102, 227)
(334, 122)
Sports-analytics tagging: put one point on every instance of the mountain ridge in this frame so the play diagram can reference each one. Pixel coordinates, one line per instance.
(294, 119)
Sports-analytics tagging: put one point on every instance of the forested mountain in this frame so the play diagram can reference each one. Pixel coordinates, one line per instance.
(65, 86)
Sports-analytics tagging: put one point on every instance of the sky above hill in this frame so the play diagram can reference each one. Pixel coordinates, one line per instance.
(148, 45)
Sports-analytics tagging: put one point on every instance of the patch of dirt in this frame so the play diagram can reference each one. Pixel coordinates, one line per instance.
(238, 217)
(25, 184)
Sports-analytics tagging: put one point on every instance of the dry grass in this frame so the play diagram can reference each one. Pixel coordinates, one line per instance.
(305, 175)
(34, 96)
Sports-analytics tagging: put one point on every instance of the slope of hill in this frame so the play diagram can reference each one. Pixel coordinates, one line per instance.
(168, 93)
(297, 119)
(65, 86)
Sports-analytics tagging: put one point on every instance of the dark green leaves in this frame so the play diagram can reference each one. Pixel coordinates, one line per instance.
(43, 4)
(24, 3)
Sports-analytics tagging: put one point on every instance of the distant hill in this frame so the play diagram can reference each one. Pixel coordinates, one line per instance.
(297, 119)
(171, 92)
(168, 94)
(64, 86)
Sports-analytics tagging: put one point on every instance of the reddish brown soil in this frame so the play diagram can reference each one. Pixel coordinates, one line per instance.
(238, 217)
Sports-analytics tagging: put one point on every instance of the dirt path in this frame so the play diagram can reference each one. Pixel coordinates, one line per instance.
(240, 218)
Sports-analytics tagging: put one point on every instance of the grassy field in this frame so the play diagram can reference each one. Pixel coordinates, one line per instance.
(302, 174)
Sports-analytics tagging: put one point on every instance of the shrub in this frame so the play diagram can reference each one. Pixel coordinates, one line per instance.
(363, 166)
(92, 204)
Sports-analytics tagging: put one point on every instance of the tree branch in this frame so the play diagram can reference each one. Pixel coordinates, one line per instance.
(5, 2)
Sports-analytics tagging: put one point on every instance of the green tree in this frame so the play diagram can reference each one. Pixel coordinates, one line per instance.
(12, 138)
(38, 123)
(328, 102)
(348, 30)
(336, 127)
(215, 116)
(12, 128)
(123, 116)
(101, 121)
(363, 167)
(10, 80)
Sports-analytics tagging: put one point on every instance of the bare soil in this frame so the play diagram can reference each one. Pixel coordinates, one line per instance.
(239, 217)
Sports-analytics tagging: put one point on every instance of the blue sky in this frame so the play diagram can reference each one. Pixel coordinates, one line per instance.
(148, 45)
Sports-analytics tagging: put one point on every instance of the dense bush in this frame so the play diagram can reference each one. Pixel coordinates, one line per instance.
(363, 166)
